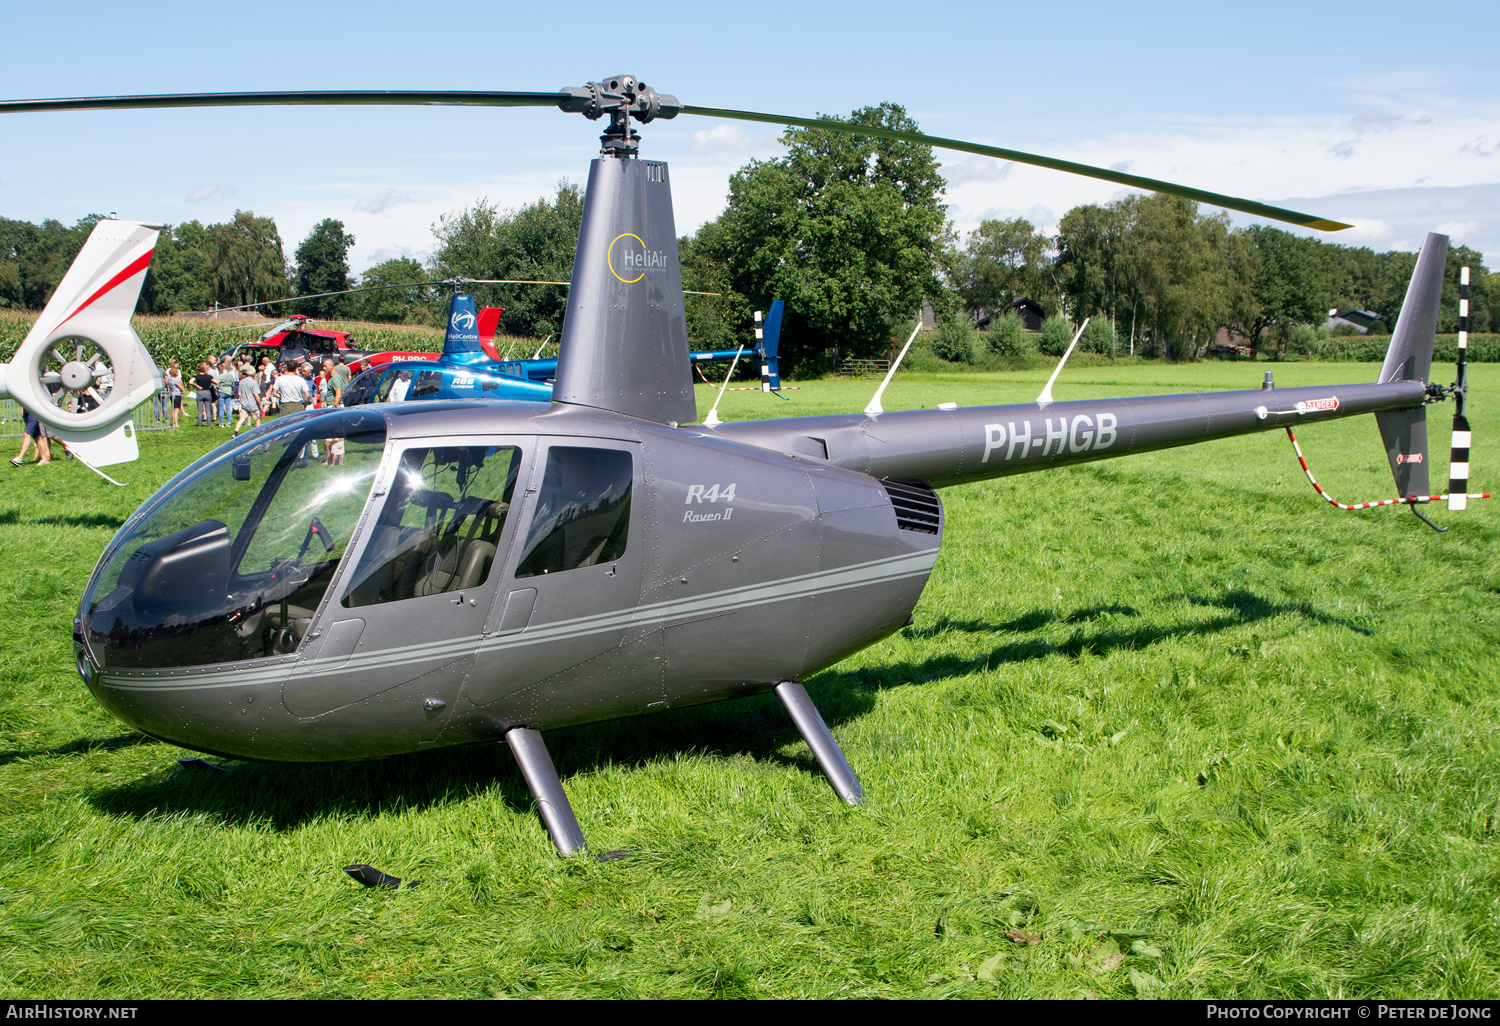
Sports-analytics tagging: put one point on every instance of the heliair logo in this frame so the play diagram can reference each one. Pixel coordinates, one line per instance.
(630, 261)
(462, 320)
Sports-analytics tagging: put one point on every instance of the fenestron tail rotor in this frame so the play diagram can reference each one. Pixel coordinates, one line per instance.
(624, 97)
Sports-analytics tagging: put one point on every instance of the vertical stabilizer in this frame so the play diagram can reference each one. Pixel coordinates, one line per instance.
(624, 344)
(461, 342)
(82, 367)
(1409, 358)
(489, 323)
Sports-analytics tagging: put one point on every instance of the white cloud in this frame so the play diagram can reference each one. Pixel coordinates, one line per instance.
(365, 261)
(379, 204)
(728, 137)
(978, 169)
(1366, 231)
(1338, 158)
(1363, 123)
(1459, 231)
(208, 192)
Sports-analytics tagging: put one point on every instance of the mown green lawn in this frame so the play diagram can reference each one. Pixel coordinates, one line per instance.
(1167, 725)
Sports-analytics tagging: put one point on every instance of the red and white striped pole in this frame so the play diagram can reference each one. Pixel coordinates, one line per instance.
(1458, 459)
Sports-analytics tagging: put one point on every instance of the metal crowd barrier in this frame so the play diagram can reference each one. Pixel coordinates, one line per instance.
(151, 415)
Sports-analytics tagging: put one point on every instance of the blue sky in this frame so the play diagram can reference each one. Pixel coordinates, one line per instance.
(1371, 113)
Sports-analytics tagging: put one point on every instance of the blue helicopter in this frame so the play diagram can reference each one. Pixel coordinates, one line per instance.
(465, 371)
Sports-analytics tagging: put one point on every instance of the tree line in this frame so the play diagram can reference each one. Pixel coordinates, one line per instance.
(851, 232)
(1160, 276)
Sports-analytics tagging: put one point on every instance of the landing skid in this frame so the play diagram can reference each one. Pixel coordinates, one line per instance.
(557, 814)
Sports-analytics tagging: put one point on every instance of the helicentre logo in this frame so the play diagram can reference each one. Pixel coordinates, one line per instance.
(462, 320)
(632, 259)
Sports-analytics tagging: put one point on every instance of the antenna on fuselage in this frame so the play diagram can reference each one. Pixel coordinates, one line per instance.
(874, 407)
(1046, 396)
(712, 420)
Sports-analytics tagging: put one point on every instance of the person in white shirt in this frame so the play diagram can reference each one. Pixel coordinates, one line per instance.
(292, 391)
(399, 387)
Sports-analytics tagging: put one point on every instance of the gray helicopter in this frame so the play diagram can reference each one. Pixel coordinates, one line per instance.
(365, 582)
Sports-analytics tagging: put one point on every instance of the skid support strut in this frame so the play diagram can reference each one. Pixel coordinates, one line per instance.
(551, 800)
(824, 748)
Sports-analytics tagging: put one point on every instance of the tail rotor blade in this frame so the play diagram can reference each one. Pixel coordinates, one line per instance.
(1458, 457)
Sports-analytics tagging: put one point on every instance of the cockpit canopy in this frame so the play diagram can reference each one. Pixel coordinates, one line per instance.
(232, 561)
(215, 570)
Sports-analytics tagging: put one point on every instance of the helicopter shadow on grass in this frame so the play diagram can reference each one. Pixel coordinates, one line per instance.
(110, 520)
(81, 746)
(1238, 607)
(287, 796)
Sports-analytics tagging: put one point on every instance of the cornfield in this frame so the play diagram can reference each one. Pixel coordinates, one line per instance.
(190, 340)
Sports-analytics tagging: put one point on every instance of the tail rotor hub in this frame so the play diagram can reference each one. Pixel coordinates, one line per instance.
(75, 375)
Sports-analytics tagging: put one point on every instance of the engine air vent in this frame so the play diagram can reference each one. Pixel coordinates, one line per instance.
(917, 506)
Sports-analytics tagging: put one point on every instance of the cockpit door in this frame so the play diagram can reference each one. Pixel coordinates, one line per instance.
(398, 631)
(564, 631)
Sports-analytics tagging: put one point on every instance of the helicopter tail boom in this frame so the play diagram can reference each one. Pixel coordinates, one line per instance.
(949, 447)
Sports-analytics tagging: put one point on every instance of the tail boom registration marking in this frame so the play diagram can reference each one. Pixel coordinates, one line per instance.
(1076, 434)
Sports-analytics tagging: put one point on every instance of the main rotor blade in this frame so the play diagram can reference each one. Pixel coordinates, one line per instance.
(420, 97)
(561, 99)
(320, 295)
(1086, 170)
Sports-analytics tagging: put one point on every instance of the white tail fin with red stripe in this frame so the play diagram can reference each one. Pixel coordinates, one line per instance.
(82, 367)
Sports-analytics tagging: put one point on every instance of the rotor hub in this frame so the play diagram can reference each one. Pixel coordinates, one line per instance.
(76, 376)
(622, 97)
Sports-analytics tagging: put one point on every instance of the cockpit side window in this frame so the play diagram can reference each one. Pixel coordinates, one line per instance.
(427, 383)
(440, 525)
(362, 389)
(383, 390)
(582, 512)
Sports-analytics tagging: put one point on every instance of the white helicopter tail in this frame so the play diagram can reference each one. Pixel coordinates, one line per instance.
(82, 348)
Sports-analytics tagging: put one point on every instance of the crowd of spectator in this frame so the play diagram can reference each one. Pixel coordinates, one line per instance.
(224, 389)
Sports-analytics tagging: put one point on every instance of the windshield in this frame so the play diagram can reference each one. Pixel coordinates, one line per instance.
(233, 563)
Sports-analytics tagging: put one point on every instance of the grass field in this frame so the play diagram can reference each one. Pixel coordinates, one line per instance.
(1164, 726)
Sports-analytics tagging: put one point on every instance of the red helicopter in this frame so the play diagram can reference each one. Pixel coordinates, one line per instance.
(295, 339)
